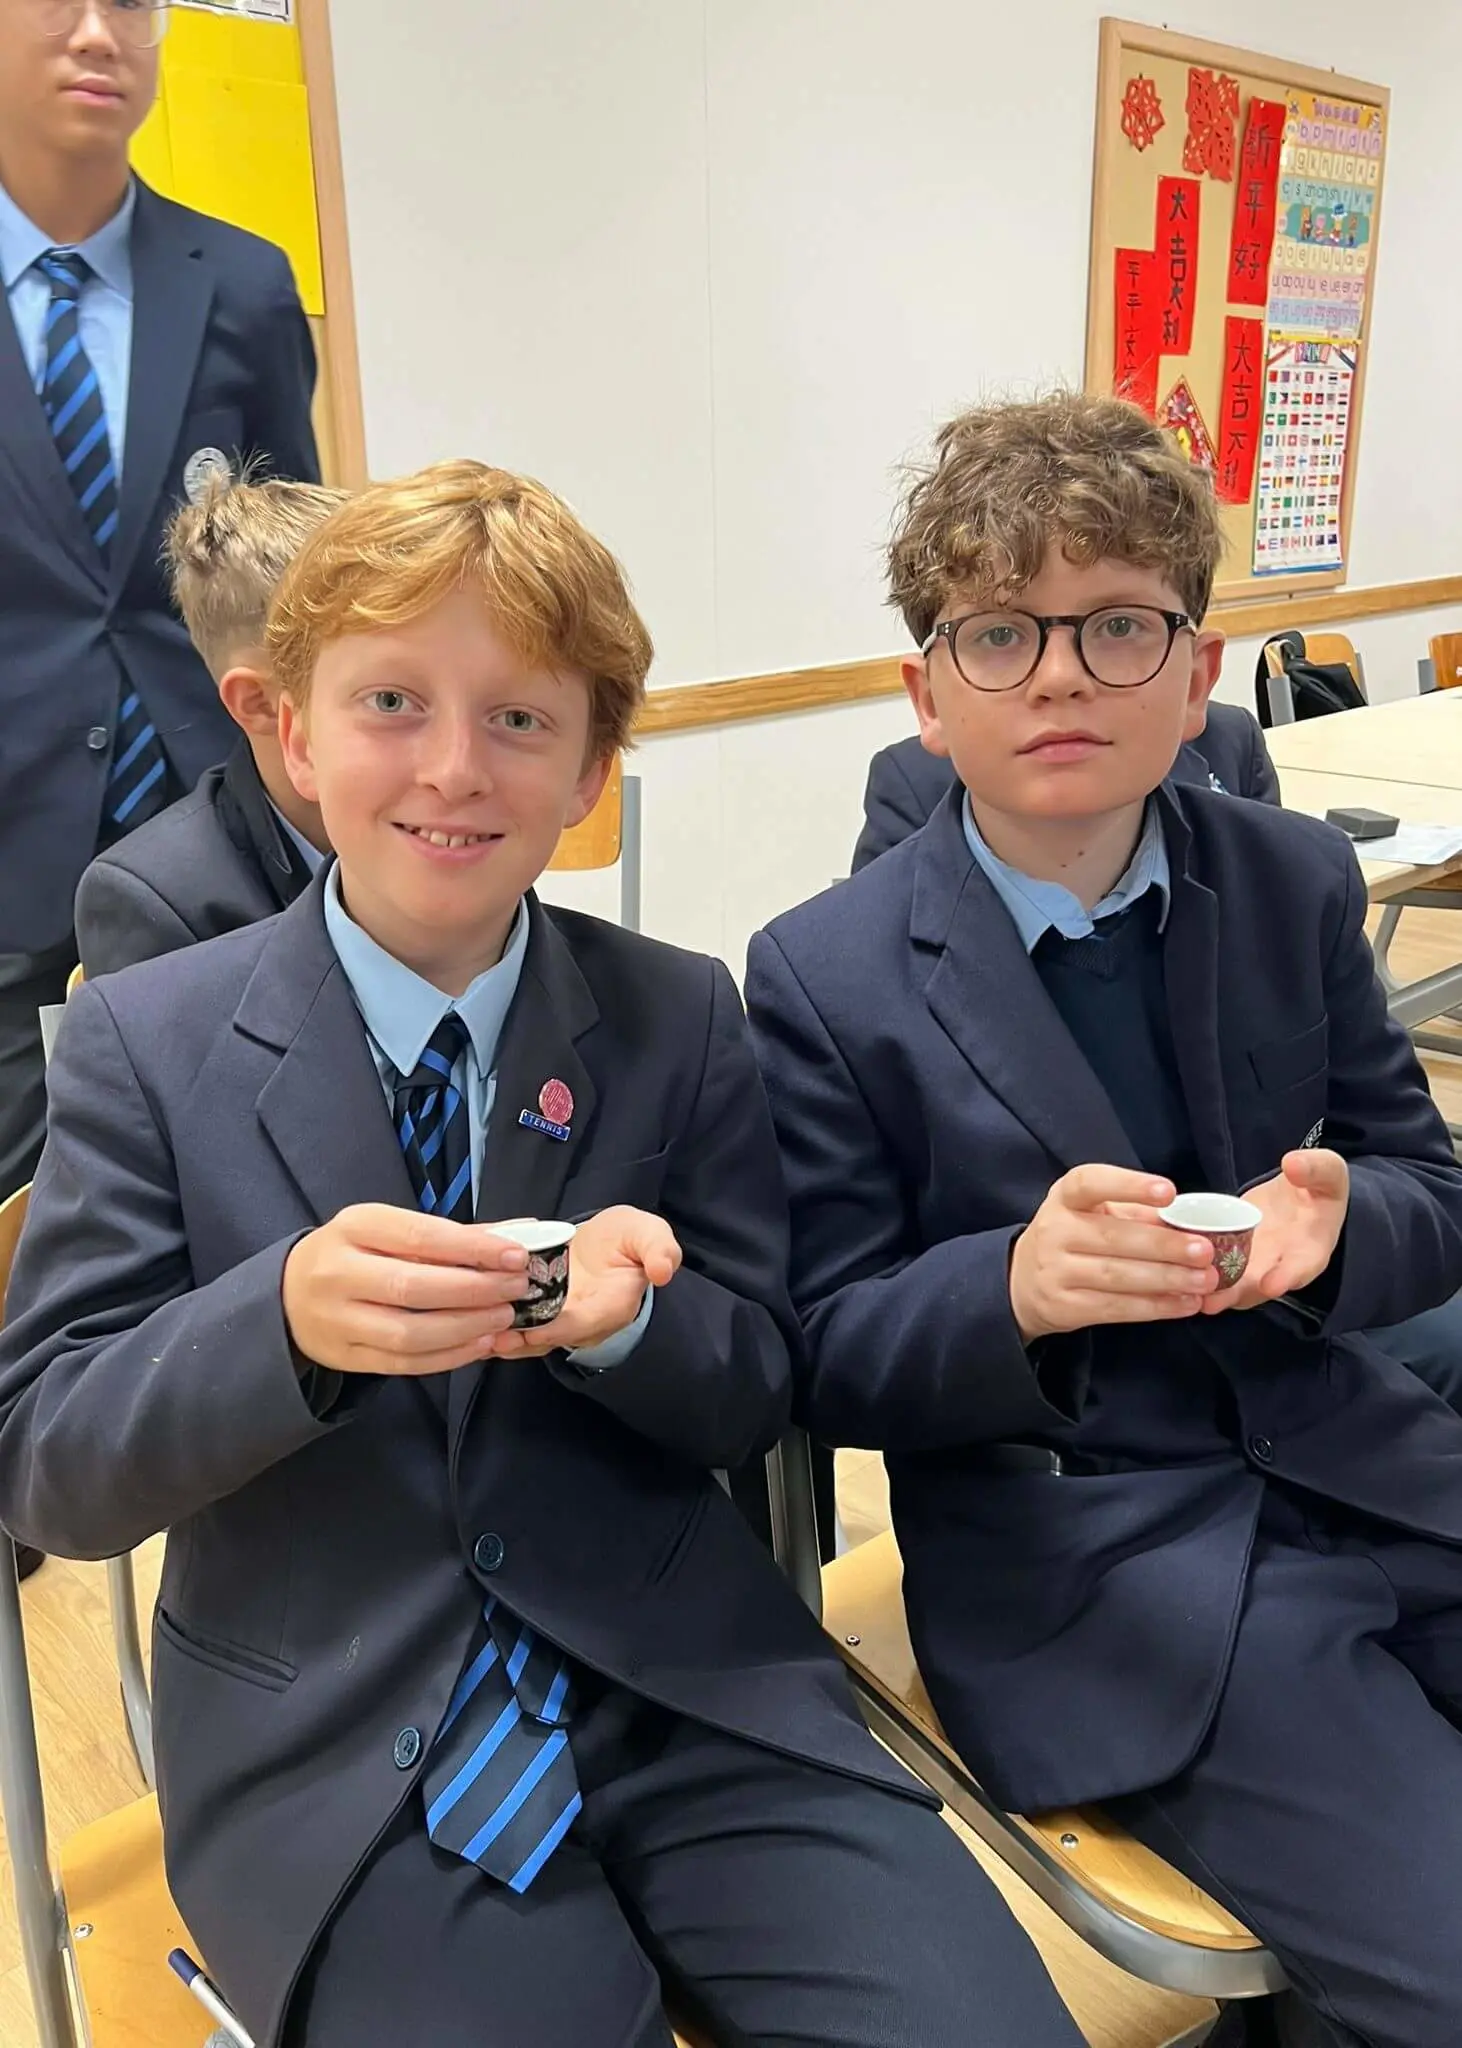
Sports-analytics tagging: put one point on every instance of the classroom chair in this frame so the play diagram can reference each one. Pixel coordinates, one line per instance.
(611, 833)
(1326, 648)
(1444, 651)
(1123, 1900)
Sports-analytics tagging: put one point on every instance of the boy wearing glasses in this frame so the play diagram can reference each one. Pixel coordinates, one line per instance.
(1189, 1549)
(143, 348)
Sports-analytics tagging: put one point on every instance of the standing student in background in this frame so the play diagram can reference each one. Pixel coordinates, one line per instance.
(244, 843)
(142, 348)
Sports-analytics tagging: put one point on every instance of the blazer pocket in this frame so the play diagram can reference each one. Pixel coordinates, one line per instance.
(234, 1660)
(634, 1182)
(1287, 1062)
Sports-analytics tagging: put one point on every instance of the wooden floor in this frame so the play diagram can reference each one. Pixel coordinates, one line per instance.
(89, 1769)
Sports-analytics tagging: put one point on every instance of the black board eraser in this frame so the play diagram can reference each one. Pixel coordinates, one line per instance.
(1360, 824)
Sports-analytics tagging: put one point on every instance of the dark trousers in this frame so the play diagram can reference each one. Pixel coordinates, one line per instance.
(783, 1904)
(27, 980)
(1325, 1807)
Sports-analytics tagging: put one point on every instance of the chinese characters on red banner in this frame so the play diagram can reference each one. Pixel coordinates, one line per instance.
(1255, 199)
(1139, 327)
(1239, 407)
(1177, 259)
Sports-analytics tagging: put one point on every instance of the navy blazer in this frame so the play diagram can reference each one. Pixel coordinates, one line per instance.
(320, 1591)
(221, 358)
(905, 784)
(215, 860)
(1074, 1626)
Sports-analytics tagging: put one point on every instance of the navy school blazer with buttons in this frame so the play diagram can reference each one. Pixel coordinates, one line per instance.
(326, 1564)
(221, 359)
(905, 783)
(1074, 1626)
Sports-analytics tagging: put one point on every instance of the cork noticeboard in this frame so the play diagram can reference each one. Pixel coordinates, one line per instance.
(1236, 215)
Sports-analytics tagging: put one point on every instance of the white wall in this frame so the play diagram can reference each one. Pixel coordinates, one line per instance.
(710, 267)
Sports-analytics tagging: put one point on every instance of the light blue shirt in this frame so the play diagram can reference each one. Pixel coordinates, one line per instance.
(104, 315)
(313, 860)
(401, 1011)
(1039, 907)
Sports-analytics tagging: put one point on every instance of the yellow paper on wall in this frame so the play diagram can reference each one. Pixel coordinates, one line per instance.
(152, 150)
(241, 151)
(199, 41)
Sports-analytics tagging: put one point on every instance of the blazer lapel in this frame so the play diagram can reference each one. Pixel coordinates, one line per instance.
(26, 444)
(172, 292)
(988, 998)
(323, 1106)
(524, 1170)
(248, 818)
(1190, 970)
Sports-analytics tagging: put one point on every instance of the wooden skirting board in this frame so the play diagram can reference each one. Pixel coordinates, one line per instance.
(688, 707)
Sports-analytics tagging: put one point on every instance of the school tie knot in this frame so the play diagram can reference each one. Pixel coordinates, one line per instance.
(443, 1050)
(66, 271)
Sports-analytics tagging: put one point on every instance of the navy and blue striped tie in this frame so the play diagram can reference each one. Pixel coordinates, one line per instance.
(500, 1786)
(72, 397)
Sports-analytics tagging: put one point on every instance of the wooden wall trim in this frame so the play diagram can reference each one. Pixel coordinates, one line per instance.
(341, 365)
(689, 707)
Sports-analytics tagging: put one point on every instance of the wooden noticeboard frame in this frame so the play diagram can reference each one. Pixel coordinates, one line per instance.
(1219, 361)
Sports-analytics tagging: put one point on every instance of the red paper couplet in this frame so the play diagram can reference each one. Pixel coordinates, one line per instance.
(1176, 257)
(1255, 202)
(1240, 408)
(1139, 327)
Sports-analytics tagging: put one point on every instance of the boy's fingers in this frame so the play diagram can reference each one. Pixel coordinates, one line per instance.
(1088, 1187)
(1318, 1171)
(1153, 1243)
(432, 1240)
(396, 1283)
(399, 1336)
(1137, 1277)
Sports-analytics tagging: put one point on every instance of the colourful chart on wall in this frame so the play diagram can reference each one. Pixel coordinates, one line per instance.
(230, 134)
(1234, 228)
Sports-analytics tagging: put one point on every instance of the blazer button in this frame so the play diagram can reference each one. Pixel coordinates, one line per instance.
(408, 1748)
(1261, 1450)
(97, 739)
(488, 1553)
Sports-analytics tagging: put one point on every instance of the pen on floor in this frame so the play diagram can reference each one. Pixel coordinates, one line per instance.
(209, 1998)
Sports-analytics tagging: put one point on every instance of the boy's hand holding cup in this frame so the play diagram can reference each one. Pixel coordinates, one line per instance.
(1097, 1251)
(616, 1255)
(1299, 1216)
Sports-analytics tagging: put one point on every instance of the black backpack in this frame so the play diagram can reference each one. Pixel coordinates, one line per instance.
(1319, 687)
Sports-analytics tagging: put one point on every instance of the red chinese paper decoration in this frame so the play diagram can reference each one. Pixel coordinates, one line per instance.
(1176, 255)
(1255, 202)
(1139, 327)
(1142, 114)
(1213, 116)
(1240, 408)
(1180, 415)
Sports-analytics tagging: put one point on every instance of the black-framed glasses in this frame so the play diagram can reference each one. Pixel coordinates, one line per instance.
(140, 23)
(1122, 646)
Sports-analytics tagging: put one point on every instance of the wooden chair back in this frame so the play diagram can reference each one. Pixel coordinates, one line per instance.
(12, 1221)
(1446, 653)
(595, 843)
(1336, 648)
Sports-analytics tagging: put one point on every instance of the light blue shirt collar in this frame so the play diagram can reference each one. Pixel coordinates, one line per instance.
(309, 853)
(401, 1011)
(1038, 907)
(108, 251)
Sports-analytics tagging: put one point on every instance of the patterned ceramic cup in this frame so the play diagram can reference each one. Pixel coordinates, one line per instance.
(547, 1246)
(1226, 1221)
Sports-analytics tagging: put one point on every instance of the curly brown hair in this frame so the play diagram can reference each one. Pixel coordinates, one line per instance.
(394, 551)
(1093, 476)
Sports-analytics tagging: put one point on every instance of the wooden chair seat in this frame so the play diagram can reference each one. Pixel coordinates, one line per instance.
(863, 1611)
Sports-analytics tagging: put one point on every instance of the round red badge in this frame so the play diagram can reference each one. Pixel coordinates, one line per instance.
(556, 1101)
